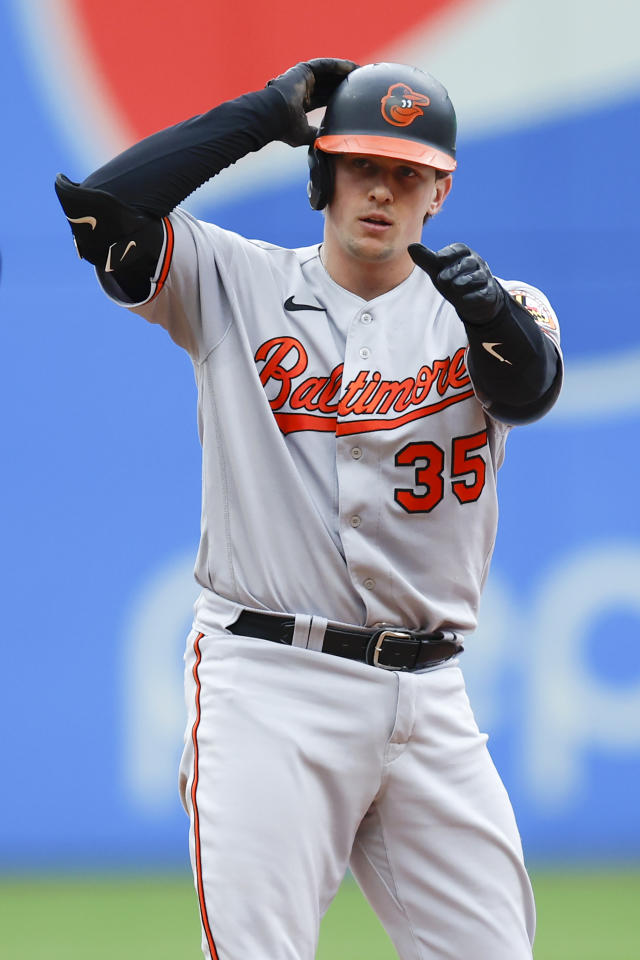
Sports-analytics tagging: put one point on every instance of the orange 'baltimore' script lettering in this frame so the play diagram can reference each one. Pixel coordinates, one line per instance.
(284, 360)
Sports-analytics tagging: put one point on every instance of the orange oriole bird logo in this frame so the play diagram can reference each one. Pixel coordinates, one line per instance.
(401, 105)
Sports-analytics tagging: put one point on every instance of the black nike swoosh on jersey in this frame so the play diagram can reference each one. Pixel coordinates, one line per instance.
(290, 305)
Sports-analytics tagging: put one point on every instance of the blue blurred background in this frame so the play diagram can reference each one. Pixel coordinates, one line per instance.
(101, 470)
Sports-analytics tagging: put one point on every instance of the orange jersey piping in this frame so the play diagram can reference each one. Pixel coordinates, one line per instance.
(196, 815)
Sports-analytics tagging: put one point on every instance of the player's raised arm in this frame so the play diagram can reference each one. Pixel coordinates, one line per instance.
(515, 367)
(115, 213)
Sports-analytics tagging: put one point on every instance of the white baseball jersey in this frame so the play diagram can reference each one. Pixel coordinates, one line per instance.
(349, 470)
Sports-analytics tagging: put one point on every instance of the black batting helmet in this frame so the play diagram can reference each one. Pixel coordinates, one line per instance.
(384, 110)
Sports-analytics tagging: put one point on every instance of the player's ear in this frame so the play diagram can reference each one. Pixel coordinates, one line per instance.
(441, 190)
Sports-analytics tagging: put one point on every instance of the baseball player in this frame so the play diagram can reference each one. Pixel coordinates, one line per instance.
(354, 399)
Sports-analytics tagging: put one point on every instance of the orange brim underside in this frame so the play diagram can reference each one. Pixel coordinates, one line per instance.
(386, 147)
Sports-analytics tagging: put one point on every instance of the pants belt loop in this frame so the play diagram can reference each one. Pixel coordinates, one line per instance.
(301, 630)
(316, 633)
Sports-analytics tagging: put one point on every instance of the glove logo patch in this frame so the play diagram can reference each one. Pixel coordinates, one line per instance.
(401, 105)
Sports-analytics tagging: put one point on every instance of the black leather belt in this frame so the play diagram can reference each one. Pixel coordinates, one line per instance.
(392, 648)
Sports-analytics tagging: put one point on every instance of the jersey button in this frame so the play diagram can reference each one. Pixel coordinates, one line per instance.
(365, 353)
(369, 583)
(366, 318)
(356, 453)
(355, 521)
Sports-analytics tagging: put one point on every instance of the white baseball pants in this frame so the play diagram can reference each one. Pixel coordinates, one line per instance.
(298, 764)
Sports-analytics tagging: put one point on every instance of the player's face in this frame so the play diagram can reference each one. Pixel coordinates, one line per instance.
(378, 207)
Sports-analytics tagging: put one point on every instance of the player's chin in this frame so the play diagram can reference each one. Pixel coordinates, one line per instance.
(372, 249)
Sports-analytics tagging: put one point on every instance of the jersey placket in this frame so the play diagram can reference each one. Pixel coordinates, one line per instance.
(357, 465)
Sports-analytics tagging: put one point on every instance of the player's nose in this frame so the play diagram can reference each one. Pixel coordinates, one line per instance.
(380, 190)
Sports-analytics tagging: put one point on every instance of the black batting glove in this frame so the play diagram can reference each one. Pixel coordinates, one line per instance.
(464, 279)
(305, 87)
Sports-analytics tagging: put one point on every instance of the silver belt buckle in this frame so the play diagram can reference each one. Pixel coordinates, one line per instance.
(388, 635)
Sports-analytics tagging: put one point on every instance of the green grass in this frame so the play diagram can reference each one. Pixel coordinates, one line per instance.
(582, 915)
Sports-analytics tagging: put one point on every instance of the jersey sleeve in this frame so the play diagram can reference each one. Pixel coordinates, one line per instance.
(192, 290)
(538, 306)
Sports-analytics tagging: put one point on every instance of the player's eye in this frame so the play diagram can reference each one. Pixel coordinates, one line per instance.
(361, 163)
(407, 172)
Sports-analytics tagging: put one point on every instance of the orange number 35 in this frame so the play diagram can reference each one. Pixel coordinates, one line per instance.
(468, 472)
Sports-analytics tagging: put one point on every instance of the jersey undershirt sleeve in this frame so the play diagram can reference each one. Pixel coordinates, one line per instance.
(159, 172)
(514, 360)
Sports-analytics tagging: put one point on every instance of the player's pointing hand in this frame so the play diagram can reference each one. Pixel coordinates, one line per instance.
(306, 87)
(463, 278)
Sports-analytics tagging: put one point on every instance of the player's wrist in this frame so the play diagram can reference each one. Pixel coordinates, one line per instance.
(482, 308)
(273, 113)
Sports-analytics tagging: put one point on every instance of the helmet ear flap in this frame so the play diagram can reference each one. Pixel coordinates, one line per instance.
(320, 185)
